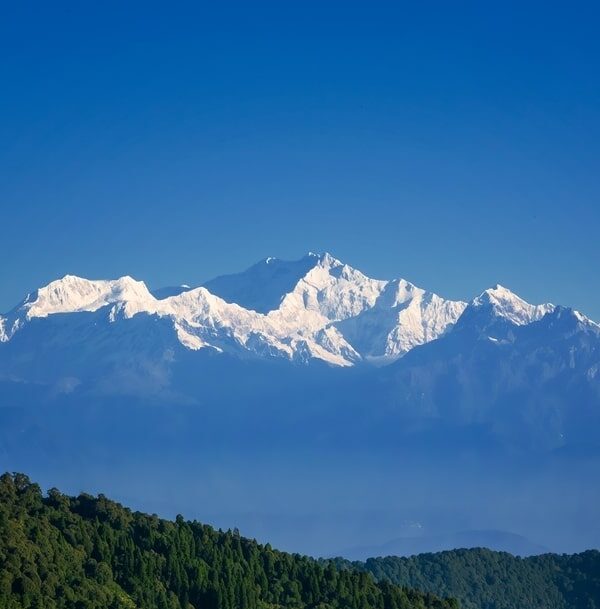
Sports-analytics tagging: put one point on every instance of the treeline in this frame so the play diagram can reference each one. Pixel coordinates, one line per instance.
(89, 552)
(483, 579)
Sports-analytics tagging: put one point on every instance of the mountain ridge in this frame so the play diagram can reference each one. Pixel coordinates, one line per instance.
(316, 307)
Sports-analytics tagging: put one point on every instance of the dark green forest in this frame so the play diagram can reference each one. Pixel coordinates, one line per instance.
(89, 552)
(483, 579)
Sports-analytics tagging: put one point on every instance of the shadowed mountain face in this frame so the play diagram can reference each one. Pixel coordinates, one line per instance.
(258, 396)
(263, 286)
(534, 384)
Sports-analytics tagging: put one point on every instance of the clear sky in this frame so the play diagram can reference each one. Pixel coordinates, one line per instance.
(454, 144)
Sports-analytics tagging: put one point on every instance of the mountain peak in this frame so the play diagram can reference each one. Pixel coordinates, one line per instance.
(498, 292)
(506, 304)
(262, 286)
(324, 259)
(330, 261)
(73, 294)
(569, 317)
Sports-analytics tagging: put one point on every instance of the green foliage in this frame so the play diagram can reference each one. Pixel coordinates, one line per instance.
(483, 579)
(60, 552)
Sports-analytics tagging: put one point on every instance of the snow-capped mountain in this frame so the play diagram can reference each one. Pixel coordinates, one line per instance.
(316, 309)
(313, 308)
(503, 303)
(497, 311)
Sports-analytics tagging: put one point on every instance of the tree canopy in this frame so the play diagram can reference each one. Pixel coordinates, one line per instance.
(85, 552)
(484, 579)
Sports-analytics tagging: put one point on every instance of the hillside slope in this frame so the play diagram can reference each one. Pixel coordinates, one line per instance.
(91, 553)
(483, 579)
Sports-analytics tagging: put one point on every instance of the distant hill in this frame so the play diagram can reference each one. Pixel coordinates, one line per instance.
(408, 546)
(60, 552)
(483, 579)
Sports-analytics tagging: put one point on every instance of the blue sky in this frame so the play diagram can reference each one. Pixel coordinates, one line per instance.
(454, 144)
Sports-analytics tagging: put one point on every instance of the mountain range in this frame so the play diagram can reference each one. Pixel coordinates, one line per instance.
(360, 387)
(315, 308)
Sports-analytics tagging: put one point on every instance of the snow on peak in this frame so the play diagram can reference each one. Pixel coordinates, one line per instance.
(580, 317)
(567, 315)
(403, 317)
(329, 291)
(508, 305)
(326, 260)
(380, 319)
(75, 294)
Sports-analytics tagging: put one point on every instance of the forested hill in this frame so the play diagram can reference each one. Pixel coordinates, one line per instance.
(91, 553)
(483, 579)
